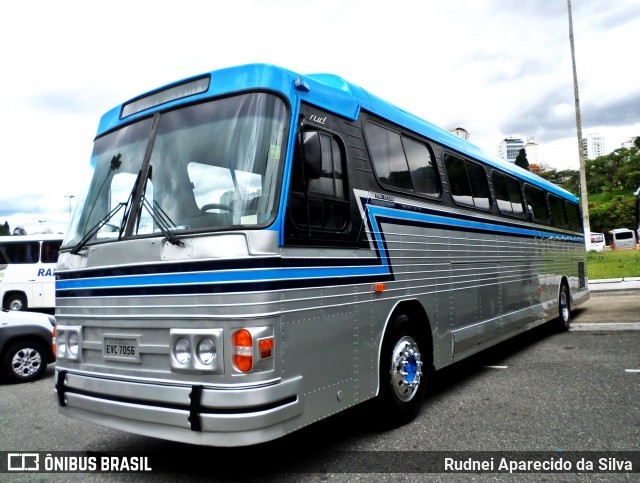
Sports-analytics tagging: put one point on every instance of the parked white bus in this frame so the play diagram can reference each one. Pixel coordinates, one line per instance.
(623, 239)
(259, 249)
(27, 271)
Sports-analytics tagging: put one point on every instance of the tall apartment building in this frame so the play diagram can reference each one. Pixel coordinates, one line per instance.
(509, 148)
(593, 146)
(531, 148)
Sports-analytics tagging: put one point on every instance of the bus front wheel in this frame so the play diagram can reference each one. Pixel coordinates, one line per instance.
(15, 301)
(404, 367)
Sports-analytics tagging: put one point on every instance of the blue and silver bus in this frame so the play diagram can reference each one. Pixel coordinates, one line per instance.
(260, 249)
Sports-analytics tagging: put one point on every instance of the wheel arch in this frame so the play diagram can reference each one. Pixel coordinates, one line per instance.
(8, 294)
(416, 312)
(40, 339)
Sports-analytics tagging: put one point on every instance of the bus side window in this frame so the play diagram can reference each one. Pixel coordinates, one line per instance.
(573, 215)
(508, 195)
(557, 211)
(50, 251)
(467, 182)
(537, 203)
(22, 253)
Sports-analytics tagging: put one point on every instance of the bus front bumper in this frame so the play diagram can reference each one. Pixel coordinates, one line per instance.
(196, 414)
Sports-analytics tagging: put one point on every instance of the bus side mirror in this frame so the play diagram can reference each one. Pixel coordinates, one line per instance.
(311, 154)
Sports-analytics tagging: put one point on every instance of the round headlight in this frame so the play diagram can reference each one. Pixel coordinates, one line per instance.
(206, 351)
(61, 342)
(74, 344)
(182, 350)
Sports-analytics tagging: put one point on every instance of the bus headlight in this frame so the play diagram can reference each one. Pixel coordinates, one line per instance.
(197, 350)
(68, 342)
(206, 351)
(182, 351)
(73, 344)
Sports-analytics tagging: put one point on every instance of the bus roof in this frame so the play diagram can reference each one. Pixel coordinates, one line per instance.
(37, 237)
(329, 92)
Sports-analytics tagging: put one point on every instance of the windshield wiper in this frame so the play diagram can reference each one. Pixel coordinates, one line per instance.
(90, 234)
(103, 221)
(162, 221)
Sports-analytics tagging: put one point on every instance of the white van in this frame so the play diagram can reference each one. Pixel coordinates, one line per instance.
(597, 242)
(27, 271)
(622, 239)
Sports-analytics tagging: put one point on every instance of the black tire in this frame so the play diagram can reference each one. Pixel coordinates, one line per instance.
(564, 309)
(24, 361)
(15, 301)
(402, 391)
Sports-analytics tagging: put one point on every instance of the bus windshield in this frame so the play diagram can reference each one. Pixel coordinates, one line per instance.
(208, 166)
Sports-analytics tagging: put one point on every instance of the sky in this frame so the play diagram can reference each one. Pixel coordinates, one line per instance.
(497, 68)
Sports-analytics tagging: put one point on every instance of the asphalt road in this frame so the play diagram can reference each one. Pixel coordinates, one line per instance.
(541, 391)
(609, 307)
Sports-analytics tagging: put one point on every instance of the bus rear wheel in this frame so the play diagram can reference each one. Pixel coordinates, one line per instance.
(403, 381)
(15, 302)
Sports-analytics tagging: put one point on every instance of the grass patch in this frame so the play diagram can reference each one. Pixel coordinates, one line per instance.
(613, 264)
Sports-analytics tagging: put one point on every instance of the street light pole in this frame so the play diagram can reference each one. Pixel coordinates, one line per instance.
(69, 196)
(583, 174)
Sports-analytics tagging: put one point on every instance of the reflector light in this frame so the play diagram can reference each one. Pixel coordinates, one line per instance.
(265, 346)
(243, 350)
(379, 287)
(53, 341)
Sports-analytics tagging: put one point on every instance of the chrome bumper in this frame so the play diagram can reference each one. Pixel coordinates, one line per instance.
(197, 414)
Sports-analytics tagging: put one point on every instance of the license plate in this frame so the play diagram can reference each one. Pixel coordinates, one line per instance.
(121, 349)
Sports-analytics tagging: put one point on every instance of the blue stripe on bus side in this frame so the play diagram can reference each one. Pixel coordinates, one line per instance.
(223, 277)
(279, 273)
(450, 222)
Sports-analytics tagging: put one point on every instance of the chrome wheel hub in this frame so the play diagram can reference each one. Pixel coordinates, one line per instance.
(406, 368)
(564, 305)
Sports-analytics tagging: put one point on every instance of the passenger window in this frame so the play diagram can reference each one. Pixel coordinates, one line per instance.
(537, 203)
(388, 157)
(458, 180)
(479, 186)
(20, 253)
(508, 195)
(557, 211)
(467, 182)
(573, 216)
(401, 162)
(50, 251)
(421, 166)
(515, 194)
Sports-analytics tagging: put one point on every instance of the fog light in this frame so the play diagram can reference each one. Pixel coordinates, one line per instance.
(182, 351)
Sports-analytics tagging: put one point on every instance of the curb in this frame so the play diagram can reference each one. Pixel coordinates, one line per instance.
(607, 326)
(606, 284)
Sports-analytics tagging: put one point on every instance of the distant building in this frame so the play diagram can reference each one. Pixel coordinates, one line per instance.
(460, 132)
(593, 146)
(509, 149)
(630, 143)
(531, 148)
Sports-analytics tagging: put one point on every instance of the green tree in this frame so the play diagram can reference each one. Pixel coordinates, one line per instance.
(568, 179)
(4, 229)
(619, 212)
(521, 159)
